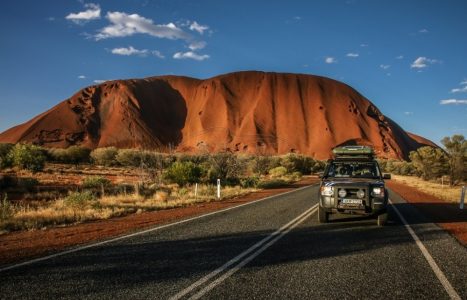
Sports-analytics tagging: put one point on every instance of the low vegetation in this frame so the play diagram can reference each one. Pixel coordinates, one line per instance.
(65, 186)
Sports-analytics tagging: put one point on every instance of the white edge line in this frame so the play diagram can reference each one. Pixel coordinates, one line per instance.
(253, 255)
(441, 277)
(237, 258)
(32, 261)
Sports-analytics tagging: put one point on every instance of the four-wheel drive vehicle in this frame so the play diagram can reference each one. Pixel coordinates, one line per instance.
(352, 183)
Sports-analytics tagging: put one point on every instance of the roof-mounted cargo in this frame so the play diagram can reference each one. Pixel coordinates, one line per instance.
(353, 152)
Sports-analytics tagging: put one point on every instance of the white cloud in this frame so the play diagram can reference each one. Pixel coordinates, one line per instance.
(422, 62)
(199, 28)
(452, 101)
(330, 60)
(384, 67)
(93, 12)
(129, 51)
(298, 18)
(190, 55)
(424, 30)
(400, 57)
(408, 113)
(460, 90)
(353, 55)
(197, 45)
(82, 77)
(463, 82)
(158, 54)
(363, 45)
(127, 25)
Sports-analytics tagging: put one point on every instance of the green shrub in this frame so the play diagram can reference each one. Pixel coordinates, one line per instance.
(105, 156)
(183, 173)
(249, 182)
(262, 164)
(278, 172)
(272, 184)
(297, 163)
(5, 158)
(94, 182)
(138, 158)
(29, 157)
(226, 165)
(430, 162)
(80, 199)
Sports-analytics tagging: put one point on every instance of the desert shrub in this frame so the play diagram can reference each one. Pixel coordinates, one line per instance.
(456, 148)
(6, 209)
(318, 166)
(80, 199)
(76, 155)
(93, 182)
(138, 158)
(249, 182)
(183, 173)
(262, 164)
(29, 157)
(430, 162)
(5, 158)
(297, 163)
(272, 184)
(105, 156)
(145, 190)
(278, 172)
(226, 166)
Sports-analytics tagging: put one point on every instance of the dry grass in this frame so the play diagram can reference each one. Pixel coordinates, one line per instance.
(445, 192)
(61, 212)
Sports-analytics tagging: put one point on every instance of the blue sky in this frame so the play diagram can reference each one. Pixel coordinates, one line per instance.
(407, 57)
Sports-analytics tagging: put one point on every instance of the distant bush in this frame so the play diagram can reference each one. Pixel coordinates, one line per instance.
(249, 182)
(5, 158)
(80, 199)
(278, 172)
(183, 173)
(430, 162)
(272, 184)
(29, 157)
(226, 166)
(71, 155)
(94, 182)
(105, 156)
(297, 163)
(262, 164)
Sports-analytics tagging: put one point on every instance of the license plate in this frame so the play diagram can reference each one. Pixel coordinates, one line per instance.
(352, 201)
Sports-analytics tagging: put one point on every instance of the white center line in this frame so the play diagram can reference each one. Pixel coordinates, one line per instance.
(262, 245)
(441, 277)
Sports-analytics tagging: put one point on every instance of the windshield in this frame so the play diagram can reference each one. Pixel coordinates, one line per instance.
(353, 169)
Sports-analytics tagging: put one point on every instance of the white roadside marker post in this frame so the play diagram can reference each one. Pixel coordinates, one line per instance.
(218, 189)
(461, 206)
(196, 191)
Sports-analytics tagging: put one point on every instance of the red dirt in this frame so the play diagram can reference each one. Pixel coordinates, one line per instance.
(251, 112)
(446, 215)
(22, 245)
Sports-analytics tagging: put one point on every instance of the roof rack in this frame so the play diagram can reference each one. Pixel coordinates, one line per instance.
(353, 152)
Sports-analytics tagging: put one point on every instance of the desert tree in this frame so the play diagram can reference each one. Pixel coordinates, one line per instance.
(431, 162)
(456, 147)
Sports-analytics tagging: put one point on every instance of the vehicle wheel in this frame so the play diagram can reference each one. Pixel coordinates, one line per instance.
(323, 216)
(382, 218)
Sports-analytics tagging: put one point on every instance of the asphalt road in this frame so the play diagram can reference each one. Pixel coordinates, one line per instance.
(270, 249)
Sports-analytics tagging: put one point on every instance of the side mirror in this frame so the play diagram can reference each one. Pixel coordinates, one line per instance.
(386, 176)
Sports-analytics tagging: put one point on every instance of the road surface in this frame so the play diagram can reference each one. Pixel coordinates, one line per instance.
(269, 249)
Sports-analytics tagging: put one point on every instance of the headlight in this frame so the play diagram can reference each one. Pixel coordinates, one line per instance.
(327, 191)
(342, 193)
(378, 191)
(361, 194)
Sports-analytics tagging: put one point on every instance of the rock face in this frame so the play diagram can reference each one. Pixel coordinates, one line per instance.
(252, 112)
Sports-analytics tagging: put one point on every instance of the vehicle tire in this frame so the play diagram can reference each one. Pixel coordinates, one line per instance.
(382, 219)
(323, 216)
